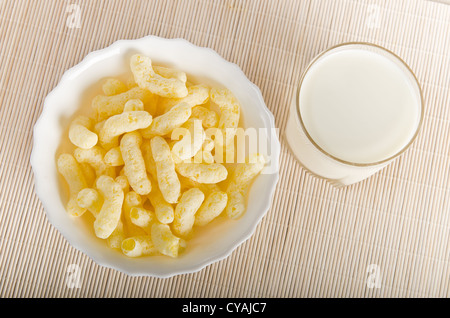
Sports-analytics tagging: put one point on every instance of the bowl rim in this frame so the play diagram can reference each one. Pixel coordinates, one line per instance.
(275, 153)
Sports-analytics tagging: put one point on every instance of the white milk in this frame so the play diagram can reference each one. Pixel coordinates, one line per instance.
(357, 106)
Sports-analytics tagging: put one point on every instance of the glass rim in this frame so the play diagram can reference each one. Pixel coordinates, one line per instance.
(370, 164)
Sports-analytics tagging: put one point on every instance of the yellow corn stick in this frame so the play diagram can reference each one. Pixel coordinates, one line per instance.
(116, 237)
(134, 163)
(138, 246)
(203, 172)
(150, 165)
(89, 173)
(132, 199)
(109, 215)
(146, 78)
(208, 117)
(113, 86)
(163, 210)
(107, 106)
(192, 134)
(165, 170)
(119, 124)
(204, 155)
(90, 199)
(185, 210)
(71, 171)
(197, 95)
(242, 177)
(170, 73)
(94, 157)
(212, 207)
(165, 242)
(142, 218)
(133, 105)
(164, 124)
(204, 187)
(123, 181)
(113, 157)
(229, 113)
(80, 133)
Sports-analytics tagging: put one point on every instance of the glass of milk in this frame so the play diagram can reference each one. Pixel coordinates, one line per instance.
(358, 107)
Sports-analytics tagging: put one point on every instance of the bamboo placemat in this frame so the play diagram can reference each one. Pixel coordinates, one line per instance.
(316, 240)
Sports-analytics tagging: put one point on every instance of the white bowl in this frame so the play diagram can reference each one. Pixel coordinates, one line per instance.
(211, 244)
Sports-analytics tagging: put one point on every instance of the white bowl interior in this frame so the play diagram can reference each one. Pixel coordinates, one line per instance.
(211, 243)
